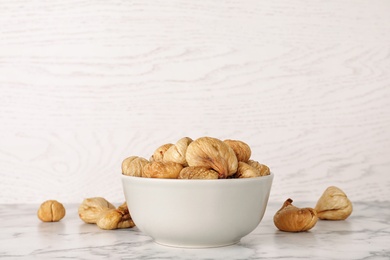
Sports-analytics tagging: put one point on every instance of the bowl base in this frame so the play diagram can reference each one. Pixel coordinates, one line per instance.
(195, 246)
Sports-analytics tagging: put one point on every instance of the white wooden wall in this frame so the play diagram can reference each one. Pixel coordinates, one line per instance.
(84, 84)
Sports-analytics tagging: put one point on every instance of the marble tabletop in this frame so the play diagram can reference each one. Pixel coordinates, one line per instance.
(364, 235)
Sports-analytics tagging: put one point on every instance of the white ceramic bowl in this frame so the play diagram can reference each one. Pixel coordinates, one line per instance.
(197, 213)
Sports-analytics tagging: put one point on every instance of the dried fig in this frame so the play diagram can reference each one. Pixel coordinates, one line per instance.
(51, 211)
(115, 218)
(133, 166)
(91, 208)
(244, 170)
(177, 153)
(197, 172)
(241, 149)
(126, 221)
(263, 169)
(292, 219)
(109, 220)
(165, 170)
(333, 205)
(212, 153)
(158, 154)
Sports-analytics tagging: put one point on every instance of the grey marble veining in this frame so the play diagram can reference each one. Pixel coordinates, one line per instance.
(364, 235)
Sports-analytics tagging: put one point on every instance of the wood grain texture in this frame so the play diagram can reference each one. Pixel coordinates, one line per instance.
(84, 84)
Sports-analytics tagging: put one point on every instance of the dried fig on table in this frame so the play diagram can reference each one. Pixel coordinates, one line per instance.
(51, 211)
(116, 218)
(109, 220)
(133, 166)
(333, 205)
(212, 153)
(263, 169)
(91, 209)
(292, 219)
(101, 212)
(165, 170)
(126, 221)
(158, 154)
(241, 149)
(177, 152)
(197, 172)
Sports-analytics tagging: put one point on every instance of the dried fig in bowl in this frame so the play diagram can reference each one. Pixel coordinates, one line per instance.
(244, 170)
(197, 172)
(177, 152)
(158, 154)
(214, 154)
(133, 166)
(164, 170)
(263, 169)
(241, 149)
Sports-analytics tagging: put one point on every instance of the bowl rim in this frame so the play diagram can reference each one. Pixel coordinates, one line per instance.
(144, 179)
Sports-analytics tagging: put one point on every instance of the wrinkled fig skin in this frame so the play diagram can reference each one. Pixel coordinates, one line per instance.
(164, 170)
(115, 218)
(212, 153)
(263, 169)
(244, 170)
(177, 153)
(133, 166)
(126, 220)
(241, 149)
(333, 205)
(158, 154)
(292, 219)
(91, 209)
(197, 172)
(102, 213)
(109, 219)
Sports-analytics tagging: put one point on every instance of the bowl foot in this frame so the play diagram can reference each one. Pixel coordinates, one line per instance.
(196, 246)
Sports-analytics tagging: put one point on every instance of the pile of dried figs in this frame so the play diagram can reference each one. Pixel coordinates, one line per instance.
(203, 158)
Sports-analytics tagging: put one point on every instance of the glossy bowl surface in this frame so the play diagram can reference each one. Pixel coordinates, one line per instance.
(197, 213)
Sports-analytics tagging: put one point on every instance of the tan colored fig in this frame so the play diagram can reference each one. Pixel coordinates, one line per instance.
(51, 211)
(115, 218)
(158, 154)
(263, 169)
(109, 220)
(133, 166)
(244, 170)
(177, 153)
(333, 205)
(241, 149)
(91, 209)
(292, 219)
(214, 154)
(126, 221)
(197, 172)
(165, 170)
